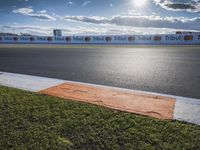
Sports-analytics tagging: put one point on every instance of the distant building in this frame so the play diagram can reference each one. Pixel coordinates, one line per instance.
(57, 32)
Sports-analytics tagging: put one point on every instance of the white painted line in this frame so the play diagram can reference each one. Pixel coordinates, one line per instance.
(27, 82)
(186, 109)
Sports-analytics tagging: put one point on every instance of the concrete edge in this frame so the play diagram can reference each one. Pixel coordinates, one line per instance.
(186, 109)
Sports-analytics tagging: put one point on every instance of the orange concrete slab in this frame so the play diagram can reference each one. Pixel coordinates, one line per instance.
(135, 102)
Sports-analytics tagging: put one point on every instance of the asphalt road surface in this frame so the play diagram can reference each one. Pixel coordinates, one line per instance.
(169, 70)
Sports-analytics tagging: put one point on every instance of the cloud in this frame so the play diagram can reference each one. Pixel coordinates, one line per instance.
(70, 3)
(179, 5)
(28, 11)
(152, 21)
(86, 3)
(23, 0)
(94, 19)
(42, 11)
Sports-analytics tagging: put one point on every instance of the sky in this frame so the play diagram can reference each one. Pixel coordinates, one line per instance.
(80, 17)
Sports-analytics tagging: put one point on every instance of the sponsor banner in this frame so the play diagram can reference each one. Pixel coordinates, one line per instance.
(59, 39)
(88, 39)
(8, 38)
(131, 38)
(68, 39)
(180, 39)
(98, 39)
(144, 38)
(188, 37)
(108, 39)
(16, 39)
(32, 39)
(41, 38)
(120, 38)
(173, 37)
(78, 39)
(50, 39)
(157, 38)
(23, 38)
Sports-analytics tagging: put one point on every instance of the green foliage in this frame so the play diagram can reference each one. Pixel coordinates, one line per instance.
(33, 121)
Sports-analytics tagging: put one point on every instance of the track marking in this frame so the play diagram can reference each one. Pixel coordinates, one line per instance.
(140, 103)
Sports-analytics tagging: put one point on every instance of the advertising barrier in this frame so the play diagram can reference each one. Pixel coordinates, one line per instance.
(131, 38)
(68, 39)
(108, 39)
(157, 38)
(87, 39)
(171, 39)
(32, 38)
(188, 37)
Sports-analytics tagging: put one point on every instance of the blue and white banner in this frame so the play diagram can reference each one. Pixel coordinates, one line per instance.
(172, 39)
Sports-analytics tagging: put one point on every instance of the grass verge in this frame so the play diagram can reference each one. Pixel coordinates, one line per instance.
(33, 121)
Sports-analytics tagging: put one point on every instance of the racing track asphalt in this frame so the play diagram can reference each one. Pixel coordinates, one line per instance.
(173, 70)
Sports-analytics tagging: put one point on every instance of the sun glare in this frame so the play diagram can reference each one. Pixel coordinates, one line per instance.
(139, 3)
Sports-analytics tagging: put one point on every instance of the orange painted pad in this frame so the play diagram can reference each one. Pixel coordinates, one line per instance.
(135, 102)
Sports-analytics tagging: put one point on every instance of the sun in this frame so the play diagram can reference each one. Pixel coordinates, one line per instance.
(139, 3)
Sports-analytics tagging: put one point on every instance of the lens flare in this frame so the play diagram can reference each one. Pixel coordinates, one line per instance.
(139, 3)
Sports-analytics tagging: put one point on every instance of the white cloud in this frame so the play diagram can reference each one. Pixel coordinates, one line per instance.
(23, 0)
(24, 11)
(179, 5)
(93, 19)
(28, 11)
(42, 11)
(152, 21)
(86, 3)
(70, 3)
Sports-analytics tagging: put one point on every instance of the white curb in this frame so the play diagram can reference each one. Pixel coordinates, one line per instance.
(27, 82)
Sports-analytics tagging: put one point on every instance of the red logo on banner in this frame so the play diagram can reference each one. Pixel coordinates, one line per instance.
(15, 39)
(68, 39)
(108, 39)
(87, 39)
(157, 38)
(32, 39)
(49, 38)
(131, 38)
(178, 32)
(188, 38)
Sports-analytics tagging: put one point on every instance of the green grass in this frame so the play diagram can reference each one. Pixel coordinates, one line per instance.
(33, 121)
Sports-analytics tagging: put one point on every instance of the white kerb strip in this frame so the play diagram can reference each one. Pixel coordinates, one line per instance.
(27, 82)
